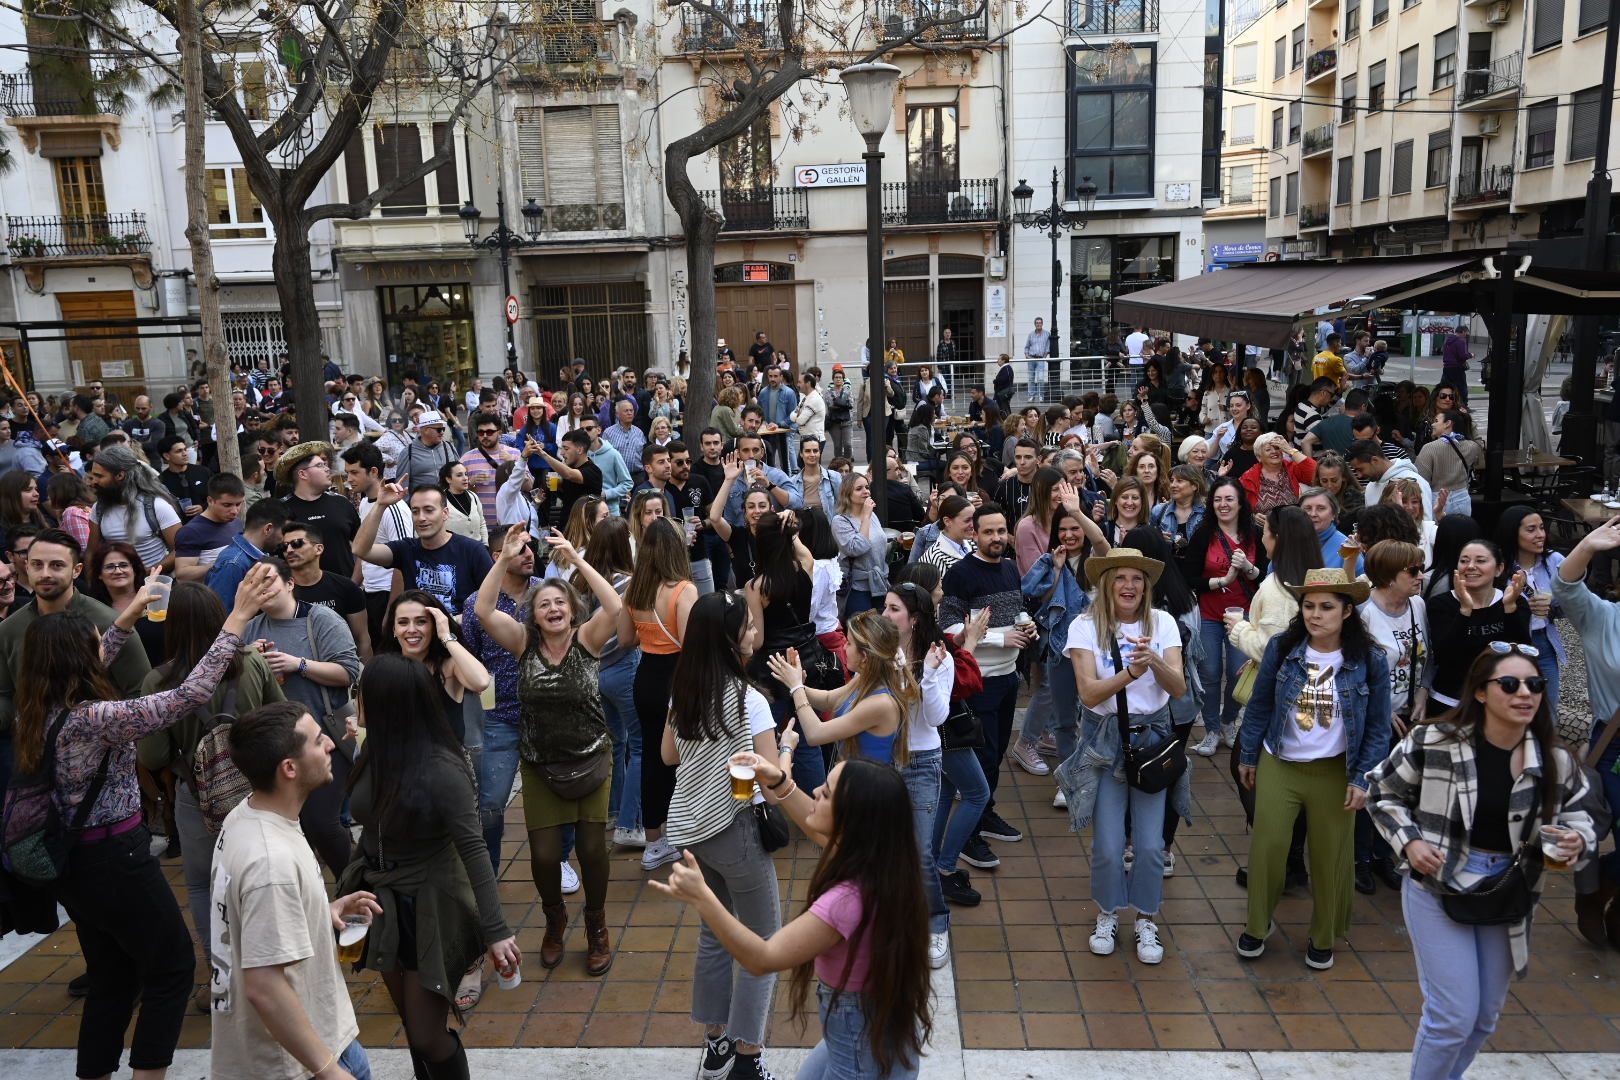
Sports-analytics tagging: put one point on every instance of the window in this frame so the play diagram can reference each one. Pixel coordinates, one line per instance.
(1548, 29)
(1296, 115)
(449, 186)
(1276, 128)
(1380, 11)
(1296, 49)
(1593, 15)
(1240, 184)
(234, 212)
(1400, 177)
(1437, 169)
(1279, 58)
(1583, 123)
(1274, 197)
(1291, 204)
(79, 190)
(1347, 99)
(399, 151)
(1352, 19)
(571, 161)
(1408, 4)
(1113, 119)
(1343, 179)
(1409, 70)
(1375, 88)
(1540, 134)
(1372, 172)
(930, 147)
(241, 67)
(1245, 63)
(1445, 58)
(1240, 125)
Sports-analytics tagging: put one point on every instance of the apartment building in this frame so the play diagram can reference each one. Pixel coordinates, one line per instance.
(1415, 126)
(1235, 227)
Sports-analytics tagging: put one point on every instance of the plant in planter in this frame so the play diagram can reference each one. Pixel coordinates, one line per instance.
(26, 247)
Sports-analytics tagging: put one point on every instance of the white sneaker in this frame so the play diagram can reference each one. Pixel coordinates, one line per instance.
(1211, 743)
(1148, 949)
(1229, 735)
(1060, 801)
(630, 838)
(1130, 858)
(1169, 864)
(659, 852)
(1024, 756)
(570, 879)
(1102, 938)
(939, 950)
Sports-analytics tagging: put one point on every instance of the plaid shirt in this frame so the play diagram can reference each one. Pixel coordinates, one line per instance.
(1426, 790)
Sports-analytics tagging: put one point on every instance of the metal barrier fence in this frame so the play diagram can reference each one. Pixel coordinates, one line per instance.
(1064, 376)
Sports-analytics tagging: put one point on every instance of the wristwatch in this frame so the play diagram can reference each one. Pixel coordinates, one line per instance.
(303, 663)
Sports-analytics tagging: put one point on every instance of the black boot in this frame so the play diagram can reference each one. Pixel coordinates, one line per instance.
(453, 1067)
(419, 1067)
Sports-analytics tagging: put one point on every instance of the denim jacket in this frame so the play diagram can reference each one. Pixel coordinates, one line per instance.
(1363, 702)
(1099, 754)
(1057, 611)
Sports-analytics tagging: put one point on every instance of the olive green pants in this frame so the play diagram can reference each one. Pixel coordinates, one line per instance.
(1281, 790)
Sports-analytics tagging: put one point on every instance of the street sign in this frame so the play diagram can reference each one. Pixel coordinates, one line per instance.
(1247, 252)
(825, 176)
(512, 310)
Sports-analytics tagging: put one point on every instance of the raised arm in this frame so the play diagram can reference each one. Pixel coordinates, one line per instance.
(468, 669)
(365, 544)
(717, 509)
(605, 623)
(502, 629)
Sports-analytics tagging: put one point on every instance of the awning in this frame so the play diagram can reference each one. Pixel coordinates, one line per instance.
(1261, 304)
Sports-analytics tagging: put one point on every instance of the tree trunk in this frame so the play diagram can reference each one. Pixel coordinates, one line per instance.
(702, 227)
(295, 288)
(202, 254)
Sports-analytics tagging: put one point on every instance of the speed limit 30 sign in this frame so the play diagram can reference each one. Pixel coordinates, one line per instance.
(512, 310)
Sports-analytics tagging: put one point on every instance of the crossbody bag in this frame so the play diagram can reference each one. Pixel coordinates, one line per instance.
(1152, 768)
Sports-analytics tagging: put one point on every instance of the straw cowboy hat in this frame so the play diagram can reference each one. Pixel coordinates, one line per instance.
(1121, 558)
(294, 459)
(1332, 580)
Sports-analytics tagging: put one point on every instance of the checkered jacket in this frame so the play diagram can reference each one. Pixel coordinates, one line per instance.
(1426, 790)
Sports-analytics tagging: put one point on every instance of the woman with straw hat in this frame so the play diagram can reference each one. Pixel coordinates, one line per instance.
(1124, 652)
(1318, 721)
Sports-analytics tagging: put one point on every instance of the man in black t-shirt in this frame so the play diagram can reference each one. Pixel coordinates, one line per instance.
(305, 470)
(322, 588)
(1013, 493)
(188, 483)
(441, 563)
(577, 474)
(692, 497)
(761, 352)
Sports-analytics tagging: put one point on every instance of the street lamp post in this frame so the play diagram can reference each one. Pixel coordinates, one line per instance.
(871, 105)
(503, 241)
(1054, 221)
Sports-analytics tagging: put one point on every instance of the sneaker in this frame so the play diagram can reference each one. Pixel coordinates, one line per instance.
(751, 1067)
(570, 879)
(939, 950)
(171, 850)
(1320, 959)
(719, 1056)
(1250, 947)
(630, 838)
(1024, 755)
(1046, 746)
(1060, 801)
(659, 852)
(957, 891)
(1242, 877)
(992, 827)
(1211, 743)
(1129, 860)
(1148, 949)
(977, 853)
(1364, 879)
(1102, 938)
(79, 986)
(1169, 864)
(1229, 735)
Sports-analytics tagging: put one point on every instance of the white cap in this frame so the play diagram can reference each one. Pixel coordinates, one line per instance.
(429, 418)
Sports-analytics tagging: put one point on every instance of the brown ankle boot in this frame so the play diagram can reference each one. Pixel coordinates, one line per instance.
(551, 946)
(599, 951)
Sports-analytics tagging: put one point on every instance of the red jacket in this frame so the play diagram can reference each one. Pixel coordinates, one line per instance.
(969, 680)
(1298, 472)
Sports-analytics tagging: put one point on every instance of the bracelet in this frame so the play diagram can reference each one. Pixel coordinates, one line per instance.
(785, 776)
(795, 689)
(303, 663)
(329, 1063)
(783, 797)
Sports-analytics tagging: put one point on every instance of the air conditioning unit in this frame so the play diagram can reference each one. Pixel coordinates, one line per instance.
(1490, 125)
(1498, 13)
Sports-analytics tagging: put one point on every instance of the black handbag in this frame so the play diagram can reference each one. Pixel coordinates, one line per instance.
(822, 671)
(961, 729)
(1154, 768)
(1508, 898)
(773, 826)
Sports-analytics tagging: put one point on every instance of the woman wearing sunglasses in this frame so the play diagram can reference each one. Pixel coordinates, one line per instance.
(1474, 612)
(1457, 798)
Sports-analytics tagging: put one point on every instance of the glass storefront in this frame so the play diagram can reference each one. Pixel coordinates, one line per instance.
(428, 329)
(1105, 268)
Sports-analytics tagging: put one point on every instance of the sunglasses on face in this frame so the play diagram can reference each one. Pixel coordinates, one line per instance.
(1510, 683)
(1505, 648)
(488, 431)
(294, 545)
(1415, 571)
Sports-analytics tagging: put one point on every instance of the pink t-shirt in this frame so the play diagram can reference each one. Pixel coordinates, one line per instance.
(840, 908)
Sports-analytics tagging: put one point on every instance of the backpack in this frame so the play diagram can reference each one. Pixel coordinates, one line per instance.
(219, 784)
(34, 841)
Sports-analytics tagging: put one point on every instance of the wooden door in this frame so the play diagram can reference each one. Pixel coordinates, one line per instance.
(959, 302)
(111, 355)
(742, 309)
(907, 317)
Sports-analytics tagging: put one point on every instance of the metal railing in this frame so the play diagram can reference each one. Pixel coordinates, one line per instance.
(1321, 62)
(584, 217)
(762, 209)
(753, 25)
(1316, 140)
(37, 91)
(542, 44)
(1503, 74)
(940, 202)
(953, 20)
(1491, 184)
(1313, 215)
(42, 237)
(1064, 376)
(1114, 16)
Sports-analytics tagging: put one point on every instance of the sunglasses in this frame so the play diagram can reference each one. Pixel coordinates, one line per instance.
(1510, 683)
(1505, 648)
(1416, 570)
(489, 431)
(294, 545)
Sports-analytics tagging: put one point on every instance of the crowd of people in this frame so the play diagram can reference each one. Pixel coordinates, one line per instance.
(690, 642)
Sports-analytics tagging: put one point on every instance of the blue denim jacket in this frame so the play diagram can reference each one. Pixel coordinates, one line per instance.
(1067, 601)
(1099, 754)
(1364, 703)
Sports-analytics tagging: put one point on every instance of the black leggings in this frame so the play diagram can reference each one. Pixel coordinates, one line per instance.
(655, 675)
(545, 863)
(322, 818)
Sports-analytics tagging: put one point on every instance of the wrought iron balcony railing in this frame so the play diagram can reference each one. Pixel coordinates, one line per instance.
(752, 25)
(941, 20)
(940, 202)
(1316, 140)
(761, 209)
(583, 217)
(1313, 215)
(1321, 62)
(1114, 16)
(1491, 184)
(43, 237)
(1503, 74)
(542, 44)
(38, 91)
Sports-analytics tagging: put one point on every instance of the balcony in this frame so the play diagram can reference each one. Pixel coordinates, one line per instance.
(740, 26)
(941, 202)
(38, 92)
(36, 243)
(1313, 216)
(583, 217)
(1493, 184)
(1320, 63)
(1114, 16)
(540, 46)
(937, 20)
(1316, 141)
(762, 210)
(1483, 88)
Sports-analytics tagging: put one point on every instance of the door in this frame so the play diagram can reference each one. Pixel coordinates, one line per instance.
(743, 309)
(906, 318)
(1470, 163)
(930, 162)
(1477, 74)
(113, 355)
(960, 300)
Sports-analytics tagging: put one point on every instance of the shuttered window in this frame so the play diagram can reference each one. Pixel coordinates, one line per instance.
(1593, 14)
(399, 151)
(1548, 29)
(571, 161)
(1540, 134)
(1583, 123)
(1245, 62)
(1352, 19)
(1437, 169)
(1375, 88)
(531, 155)
(449, 186)
(1345, 177)
(1291, 205)
(1409, 72)
(1400, 177)
(1380, 11)
(1347, 99)
(1372, 173)
(1274, 197)
(1279, 58)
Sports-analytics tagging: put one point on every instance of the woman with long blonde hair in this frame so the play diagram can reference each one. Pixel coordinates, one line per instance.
(869, 712)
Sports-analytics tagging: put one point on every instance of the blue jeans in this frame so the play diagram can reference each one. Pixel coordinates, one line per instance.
(845, 1050)
(1464, 973)
(497, 770)
(857, 601)
(1548, 663)
(354, 1060)
(1111, 886)
(960, 771)
(1038, 713)
(703, 576)
(1460, 502)
(618, 683)
(1219, 655)
(922, 775)
(809, 762)
(1609, 863)
(1038, 371)
(1065, 721)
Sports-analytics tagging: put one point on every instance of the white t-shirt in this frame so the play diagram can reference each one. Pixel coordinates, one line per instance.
(269, 909)
(116, 524)
(1144, 695)
(396, 524)
(1404, 639)
(1315, 729)
(1134, 344)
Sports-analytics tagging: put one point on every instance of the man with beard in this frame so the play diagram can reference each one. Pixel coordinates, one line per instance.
(306, 471)
(132, 506)
(437, 561)
(301, 550)
(140, 425)
(692, 497)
